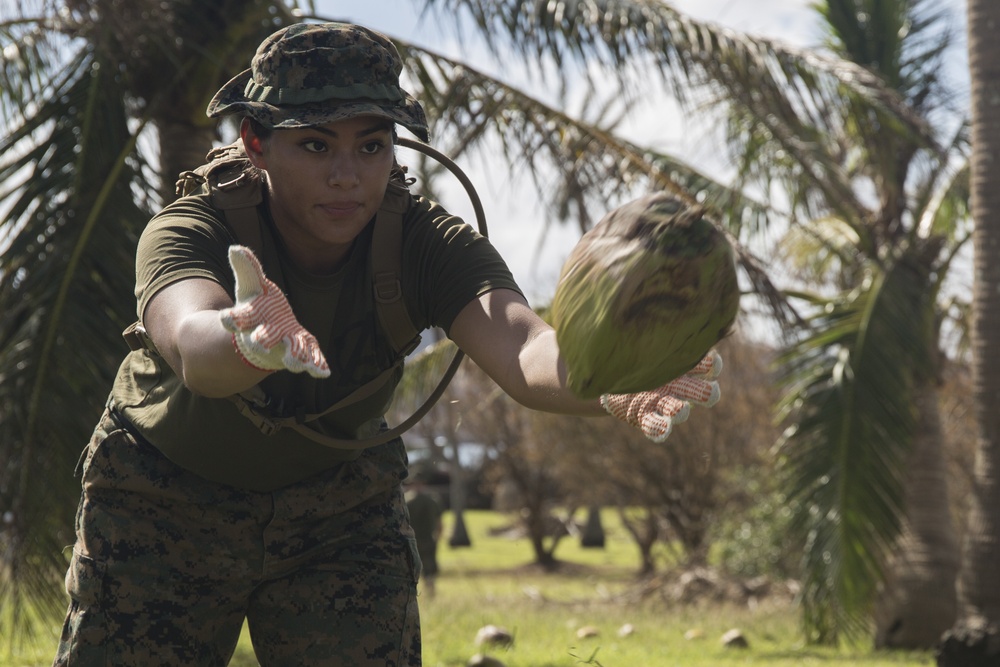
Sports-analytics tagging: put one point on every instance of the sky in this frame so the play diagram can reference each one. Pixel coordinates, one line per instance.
(515, 218)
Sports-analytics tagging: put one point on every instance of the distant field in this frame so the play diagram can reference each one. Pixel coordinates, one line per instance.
(493, 582)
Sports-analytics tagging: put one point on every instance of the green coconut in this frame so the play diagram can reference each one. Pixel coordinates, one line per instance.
(643, 297)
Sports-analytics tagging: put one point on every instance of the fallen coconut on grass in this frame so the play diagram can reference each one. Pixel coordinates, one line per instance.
(483, 660)
(495, 636)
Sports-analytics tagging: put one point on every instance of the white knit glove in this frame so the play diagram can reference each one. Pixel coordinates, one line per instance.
(657, 410)
(265, 331)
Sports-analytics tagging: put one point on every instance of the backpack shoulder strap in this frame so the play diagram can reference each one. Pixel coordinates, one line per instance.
(236, 190)
(387, 259)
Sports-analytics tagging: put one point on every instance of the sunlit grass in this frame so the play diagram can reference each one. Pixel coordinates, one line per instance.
(494, 548)
(493, 583)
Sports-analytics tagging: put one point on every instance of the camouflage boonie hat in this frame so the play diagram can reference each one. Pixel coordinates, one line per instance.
(312, 74)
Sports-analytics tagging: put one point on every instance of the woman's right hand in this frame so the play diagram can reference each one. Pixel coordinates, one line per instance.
(265, 331)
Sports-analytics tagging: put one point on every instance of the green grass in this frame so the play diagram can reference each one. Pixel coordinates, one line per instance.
(493, 582)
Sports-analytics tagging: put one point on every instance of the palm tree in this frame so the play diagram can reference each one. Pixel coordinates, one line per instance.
(862, 462)
(897, 189)
(864, 446)
(82, 87)
(65, 284)
(975, 639)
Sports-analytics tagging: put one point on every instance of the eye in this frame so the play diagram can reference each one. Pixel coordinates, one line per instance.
(313, 145)
(372, 147)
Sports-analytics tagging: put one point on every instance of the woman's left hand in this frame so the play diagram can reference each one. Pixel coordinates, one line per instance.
(657, 410)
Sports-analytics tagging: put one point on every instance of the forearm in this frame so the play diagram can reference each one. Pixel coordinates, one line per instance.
(518, 350)
(206, 360)
(183, 321)
(538, 380)
(220, 348)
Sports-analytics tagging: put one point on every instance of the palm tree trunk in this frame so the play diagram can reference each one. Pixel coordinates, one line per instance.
(182, 147)
(980, 580)
(975, 639)
(919, 601)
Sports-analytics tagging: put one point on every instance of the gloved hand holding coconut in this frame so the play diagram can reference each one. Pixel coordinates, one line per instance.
(641, 301)
(656, 411)
(265, 331)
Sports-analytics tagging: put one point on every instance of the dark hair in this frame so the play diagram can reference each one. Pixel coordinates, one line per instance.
(259, 128)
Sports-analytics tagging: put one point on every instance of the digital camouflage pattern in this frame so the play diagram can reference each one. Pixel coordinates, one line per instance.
(312, 74)
(167, 565)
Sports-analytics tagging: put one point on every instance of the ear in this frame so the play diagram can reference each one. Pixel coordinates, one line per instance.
(253, 145)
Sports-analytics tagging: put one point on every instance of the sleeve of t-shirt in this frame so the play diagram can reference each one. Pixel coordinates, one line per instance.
(185, 240)
(450, 262)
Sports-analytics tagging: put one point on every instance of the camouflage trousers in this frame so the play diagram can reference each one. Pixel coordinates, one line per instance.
(167, 565)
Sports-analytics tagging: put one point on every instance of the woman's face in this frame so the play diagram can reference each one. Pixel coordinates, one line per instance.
(325, 183)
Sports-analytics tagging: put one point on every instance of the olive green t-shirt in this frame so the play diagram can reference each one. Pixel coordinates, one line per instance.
(445, 265)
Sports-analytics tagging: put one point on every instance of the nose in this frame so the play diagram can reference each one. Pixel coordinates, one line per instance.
(342, 172)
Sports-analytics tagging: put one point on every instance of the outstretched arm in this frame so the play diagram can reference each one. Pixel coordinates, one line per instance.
(183, 321)
(218, 347)
(518, 350)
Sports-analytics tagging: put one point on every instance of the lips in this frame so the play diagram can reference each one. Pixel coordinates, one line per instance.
(340, 209)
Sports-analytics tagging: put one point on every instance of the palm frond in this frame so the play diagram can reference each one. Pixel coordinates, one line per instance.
(531, 134)
(905, 41)
(941, 199)
(28, 50)
(65, 286)
(595, 168)
(823, 252)
(847, 393)
(788, 88)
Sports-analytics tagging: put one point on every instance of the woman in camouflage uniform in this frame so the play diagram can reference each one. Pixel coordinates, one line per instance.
(193, 520)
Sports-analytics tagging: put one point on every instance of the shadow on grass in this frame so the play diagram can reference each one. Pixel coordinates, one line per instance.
(834, 655)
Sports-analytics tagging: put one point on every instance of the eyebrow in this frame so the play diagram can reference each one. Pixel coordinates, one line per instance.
(377, 127)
